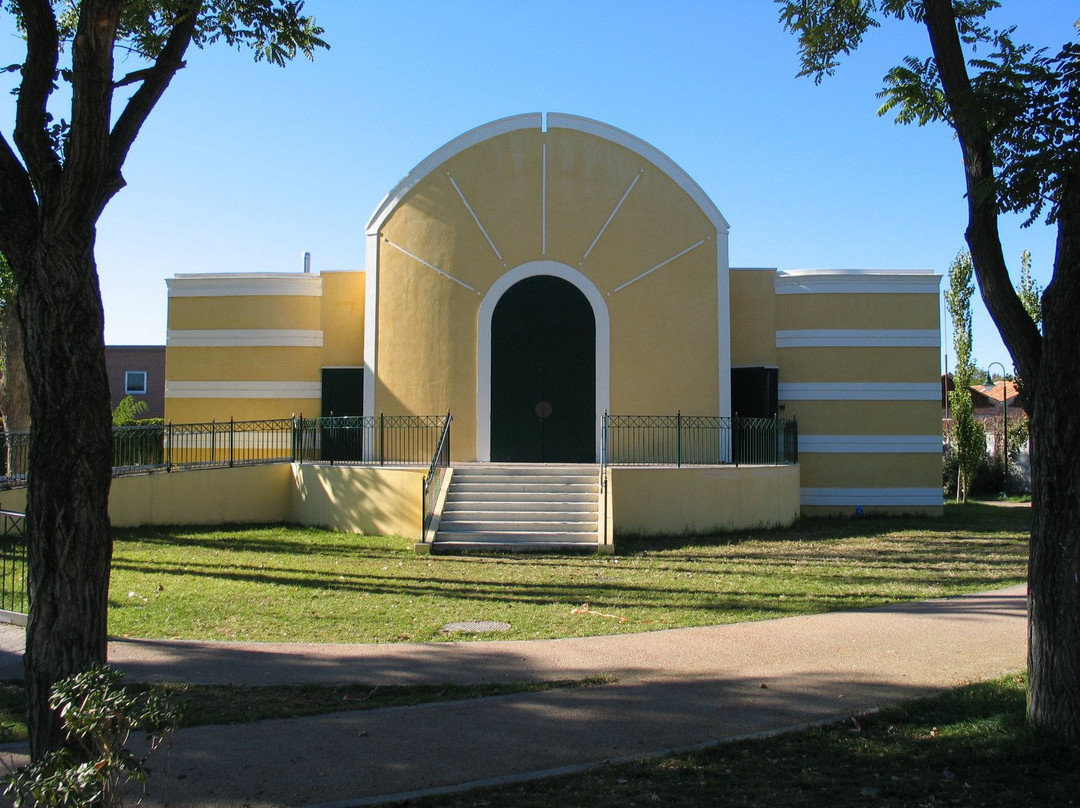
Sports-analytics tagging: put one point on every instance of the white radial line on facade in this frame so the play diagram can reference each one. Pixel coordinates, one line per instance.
(661, 265)
(476, 218)
(612, 216)
(543, 200)
(429, 265)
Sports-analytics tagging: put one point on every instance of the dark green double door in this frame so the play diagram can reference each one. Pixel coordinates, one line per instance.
(543, 374)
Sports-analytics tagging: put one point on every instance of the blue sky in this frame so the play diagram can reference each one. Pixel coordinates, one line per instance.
(243, 166)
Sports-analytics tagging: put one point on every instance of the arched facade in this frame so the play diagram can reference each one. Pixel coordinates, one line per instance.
(566, 197)
(852, 355)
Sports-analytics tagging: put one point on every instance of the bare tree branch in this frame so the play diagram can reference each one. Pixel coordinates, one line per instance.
(1017, 329)
(38, 77)
(18, 204)
(155, 80)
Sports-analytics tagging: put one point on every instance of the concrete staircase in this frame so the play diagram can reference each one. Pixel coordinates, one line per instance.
(537, 508)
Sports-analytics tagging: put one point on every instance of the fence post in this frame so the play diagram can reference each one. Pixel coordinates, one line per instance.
(678, 439)
(603, 438)
(382, 439)
(168, 458)
(232, 438)
(795, 439)
(736, 439)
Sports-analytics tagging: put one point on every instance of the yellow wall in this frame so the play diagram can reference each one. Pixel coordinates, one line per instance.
(753, 318)
(204, 410)
(342, 308)
(869, 310)
(371, 500)
(244, 311)
(844, 364)
(666, 500)
(252, 494)
(328, 308)
(887, 391)
(360, 499)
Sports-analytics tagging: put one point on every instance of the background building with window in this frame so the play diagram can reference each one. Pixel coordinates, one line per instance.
(138, 371)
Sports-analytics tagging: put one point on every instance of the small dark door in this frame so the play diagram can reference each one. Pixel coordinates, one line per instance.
(543, 374)
(342, 395)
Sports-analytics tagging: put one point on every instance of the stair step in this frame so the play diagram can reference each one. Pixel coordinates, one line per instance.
(527, 507)
(569, 512)
(519, 527)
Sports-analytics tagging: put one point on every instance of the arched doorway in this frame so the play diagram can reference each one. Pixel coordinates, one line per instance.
(543, 373)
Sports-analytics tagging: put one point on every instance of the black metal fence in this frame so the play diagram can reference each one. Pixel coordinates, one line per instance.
(143, 448)
(13, 585)
(685, 440)
(381, 440)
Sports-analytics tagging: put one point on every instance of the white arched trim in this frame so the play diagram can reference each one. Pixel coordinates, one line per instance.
(647, 151)
(483, 352)
(459, 144)
(555, 120)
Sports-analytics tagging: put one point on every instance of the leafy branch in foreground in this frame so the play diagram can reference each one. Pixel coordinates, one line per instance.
(98, 715)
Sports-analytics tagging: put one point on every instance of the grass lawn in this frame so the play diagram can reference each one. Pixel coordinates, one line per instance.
(968, 747)
(290, 584)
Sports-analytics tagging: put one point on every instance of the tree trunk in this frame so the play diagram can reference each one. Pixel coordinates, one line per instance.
(14, 395)
(68, 534)
(1054, 559)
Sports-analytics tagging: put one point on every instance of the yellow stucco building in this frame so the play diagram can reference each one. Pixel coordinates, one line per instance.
(540, 271)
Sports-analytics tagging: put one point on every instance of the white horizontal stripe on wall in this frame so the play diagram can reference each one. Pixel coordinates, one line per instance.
(292, 284)
(870, 444)
(871, 496)
(243, 338)
(858, 338)
(860, 391)
(175, 389)
(853, 281)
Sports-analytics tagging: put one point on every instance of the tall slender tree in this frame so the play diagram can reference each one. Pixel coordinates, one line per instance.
(1015, 112)
(61, 167)
(969, 439)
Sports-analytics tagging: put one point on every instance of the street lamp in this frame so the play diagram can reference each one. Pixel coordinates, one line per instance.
(1004, 424)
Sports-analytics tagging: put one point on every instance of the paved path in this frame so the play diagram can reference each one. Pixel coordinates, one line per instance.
(676, 689)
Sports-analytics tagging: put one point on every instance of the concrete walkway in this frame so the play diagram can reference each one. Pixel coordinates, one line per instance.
(676, 689)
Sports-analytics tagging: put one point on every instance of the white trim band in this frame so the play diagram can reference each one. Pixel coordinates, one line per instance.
(243, 338)
(292, 284)
(870, 444)
(857, 281)
(260, 389)
(860, 391)
(858, 338)
(853, 497)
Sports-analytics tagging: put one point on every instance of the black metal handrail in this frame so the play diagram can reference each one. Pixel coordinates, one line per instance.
(433, 480)
(684, 440)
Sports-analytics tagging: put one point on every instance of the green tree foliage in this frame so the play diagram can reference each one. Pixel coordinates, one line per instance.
(1029, 291)
(127, 412)
(968, 437)
(1015, 114)
(76, 119)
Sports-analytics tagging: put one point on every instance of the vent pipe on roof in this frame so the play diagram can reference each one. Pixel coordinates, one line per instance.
(307, 263)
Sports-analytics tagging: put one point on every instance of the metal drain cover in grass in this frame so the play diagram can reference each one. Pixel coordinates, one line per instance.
(475, 627)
